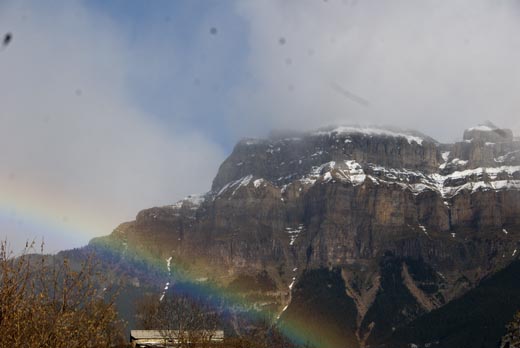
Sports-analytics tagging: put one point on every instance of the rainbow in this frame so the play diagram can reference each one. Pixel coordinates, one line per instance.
(49, 219)
(297, 330)
(47, 215)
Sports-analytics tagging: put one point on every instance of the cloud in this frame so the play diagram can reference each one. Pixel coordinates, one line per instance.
(102, 115)
(74, 144)
(436, 66)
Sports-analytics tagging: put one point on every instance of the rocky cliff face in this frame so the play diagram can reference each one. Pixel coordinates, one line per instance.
(408, 224)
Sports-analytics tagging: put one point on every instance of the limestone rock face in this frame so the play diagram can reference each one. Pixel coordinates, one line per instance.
(381, 208)
(488, 132)
(282, 160)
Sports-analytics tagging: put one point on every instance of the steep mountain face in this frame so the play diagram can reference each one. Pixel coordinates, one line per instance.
(366, 228)
(477, 319)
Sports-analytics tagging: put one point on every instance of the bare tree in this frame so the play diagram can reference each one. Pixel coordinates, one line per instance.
(261, 333)
(181, 320)
(146, 312)
(44, 302)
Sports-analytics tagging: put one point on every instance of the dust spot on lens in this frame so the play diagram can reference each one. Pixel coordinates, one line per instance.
(282, 41)
(8, 37)
(213, 31)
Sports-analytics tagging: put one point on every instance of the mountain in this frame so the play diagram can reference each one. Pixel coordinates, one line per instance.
(350, 235)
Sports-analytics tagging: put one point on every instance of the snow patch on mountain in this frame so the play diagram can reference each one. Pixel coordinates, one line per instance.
(481, 128)
(371, 131)
(258, 182)
(293, 233)
(193, 200)
(350, 171)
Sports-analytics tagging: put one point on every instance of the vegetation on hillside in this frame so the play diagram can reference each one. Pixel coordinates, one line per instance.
(190, 321)
(512, 338)
(47, 302)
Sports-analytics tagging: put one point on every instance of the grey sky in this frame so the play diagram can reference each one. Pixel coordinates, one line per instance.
(111, 107)
(437, 66)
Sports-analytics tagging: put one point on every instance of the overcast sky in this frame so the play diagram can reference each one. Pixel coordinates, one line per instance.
(109, 107)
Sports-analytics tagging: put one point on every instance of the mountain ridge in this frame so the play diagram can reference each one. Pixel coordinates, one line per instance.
(385, 209)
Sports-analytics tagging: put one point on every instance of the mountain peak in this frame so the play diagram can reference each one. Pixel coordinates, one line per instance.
(372, 225)
(488, 132)
(409, 135)
(285, 156)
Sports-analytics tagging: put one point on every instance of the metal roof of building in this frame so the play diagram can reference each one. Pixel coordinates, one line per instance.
(162, 334)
